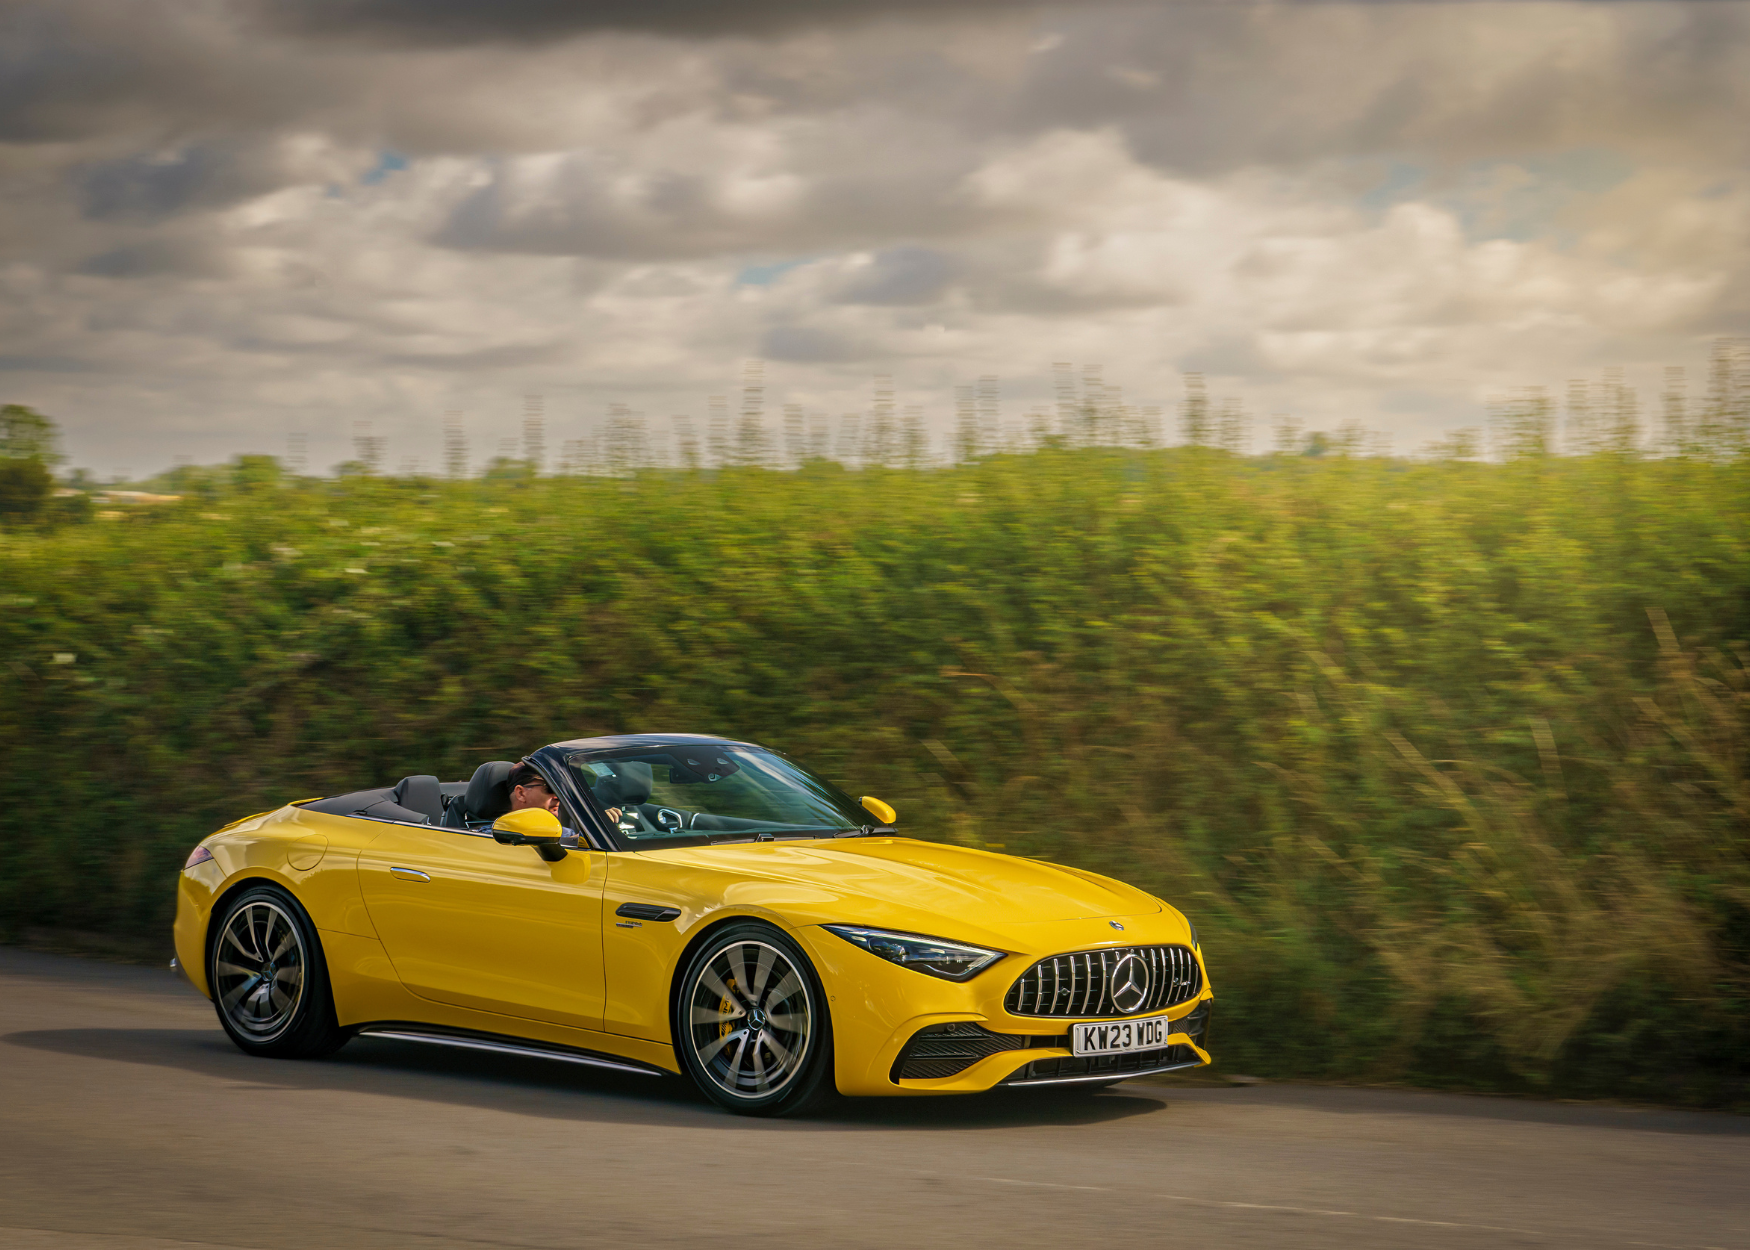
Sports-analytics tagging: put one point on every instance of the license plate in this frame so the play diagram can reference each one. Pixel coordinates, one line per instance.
(1113, 1037)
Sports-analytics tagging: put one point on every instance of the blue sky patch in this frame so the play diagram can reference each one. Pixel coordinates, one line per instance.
(765, 275)
(387, 163)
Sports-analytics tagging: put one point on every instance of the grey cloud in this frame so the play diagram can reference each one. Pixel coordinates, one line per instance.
(151, 258)
(1229, 356)
(507, 356)
(806, 345)
(40, 56)
(1206, 88)
(899, 275)
(642, 206)
(151, 187)
(74, 70)
(530, 21)
(575, 211)
(45, 364)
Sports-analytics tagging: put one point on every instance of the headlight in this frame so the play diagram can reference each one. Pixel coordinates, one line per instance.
(952, 961)
(1195, 944)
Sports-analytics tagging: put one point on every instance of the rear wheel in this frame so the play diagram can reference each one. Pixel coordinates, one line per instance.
(268, 978)
(751, 1023)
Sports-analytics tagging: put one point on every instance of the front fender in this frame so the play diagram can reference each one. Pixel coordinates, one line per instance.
(276, 849)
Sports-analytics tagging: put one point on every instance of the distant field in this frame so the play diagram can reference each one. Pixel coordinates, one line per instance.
(1448, 761)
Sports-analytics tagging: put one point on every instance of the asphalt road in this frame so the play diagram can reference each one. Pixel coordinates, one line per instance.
(128, 1120)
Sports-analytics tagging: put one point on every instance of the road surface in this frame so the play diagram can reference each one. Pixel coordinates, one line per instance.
(128, 1120)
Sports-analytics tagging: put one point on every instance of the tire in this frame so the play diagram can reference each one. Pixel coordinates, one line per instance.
(766, 1053)
(269, 980)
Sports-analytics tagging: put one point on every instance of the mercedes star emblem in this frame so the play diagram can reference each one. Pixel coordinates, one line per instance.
(1130, 984)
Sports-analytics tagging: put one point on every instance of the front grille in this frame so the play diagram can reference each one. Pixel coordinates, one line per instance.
(1127, 1064)
(949, 1049)
(1080, 984)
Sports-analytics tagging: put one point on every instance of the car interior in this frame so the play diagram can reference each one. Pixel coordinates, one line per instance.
(424, 800)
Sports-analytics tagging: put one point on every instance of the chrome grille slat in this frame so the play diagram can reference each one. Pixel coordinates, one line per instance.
(1081, 982)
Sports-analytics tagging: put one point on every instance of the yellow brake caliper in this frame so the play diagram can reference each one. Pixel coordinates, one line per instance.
(728, 1009)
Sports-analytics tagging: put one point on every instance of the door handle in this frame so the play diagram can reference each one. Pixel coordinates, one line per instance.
(410, 874)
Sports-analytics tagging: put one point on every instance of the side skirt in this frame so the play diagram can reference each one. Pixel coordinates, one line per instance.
(467, 1039)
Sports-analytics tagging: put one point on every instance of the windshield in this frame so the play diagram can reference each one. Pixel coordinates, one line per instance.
(712, 790)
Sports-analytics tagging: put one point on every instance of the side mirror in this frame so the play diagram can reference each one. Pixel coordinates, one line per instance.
(532, 826)
(879, 810)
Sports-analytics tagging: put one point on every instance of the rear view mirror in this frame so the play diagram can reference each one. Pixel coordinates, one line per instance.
(879, 810)
(532, 826)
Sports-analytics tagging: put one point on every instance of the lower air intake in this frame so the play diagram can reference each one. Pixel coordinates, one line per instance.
(943, 1050)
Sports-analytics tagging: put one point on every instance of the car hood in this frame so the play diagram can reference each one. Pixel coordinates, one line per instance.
(905, 882)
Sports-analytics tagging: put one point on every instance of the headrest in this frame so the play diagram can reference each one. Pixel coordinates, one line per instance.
(629, 786)
(423, 794)
(488, 795)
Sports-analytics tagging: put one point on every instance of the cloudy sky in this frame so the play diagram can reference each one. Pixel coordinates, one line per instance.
(223, 222)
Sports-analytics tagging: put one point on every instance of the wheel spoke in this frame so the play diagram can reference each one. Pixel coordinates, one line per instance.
(231, 937)
(780, 1052)
(232, 996)
(711, 981)
(789, 1022)
(763, 970)
(761, 1081)
(227, 969)
(708, 1053)
(711, 1015)
(259, 922)
(786, 988)
(742, 976)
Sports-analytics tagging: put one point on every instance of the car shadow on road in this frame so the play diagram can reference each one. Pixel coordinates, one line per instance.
(381, 1067)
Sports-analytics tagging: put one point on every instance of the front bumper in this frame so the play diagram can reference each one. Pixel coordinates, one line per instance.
(879, 1009)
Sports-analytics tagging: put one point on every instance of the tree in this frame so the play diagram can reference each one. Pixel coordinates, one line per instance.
(27, 449)
(26, 434)
(24, 488)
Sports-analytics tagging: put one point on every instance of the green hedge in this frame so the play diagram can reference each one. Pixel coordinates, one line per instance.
(1446, 760)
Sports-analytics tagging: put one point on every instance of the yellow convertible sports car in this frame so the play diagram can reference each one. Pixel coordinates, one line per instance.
(683, 904)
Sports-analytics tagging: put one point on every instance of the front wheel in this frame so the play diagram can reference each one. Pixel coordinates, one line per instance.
(268, 978)
(751, 1023)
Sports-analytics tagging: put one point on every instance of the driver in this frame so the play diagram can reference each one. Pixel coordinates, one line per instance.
(528, 789)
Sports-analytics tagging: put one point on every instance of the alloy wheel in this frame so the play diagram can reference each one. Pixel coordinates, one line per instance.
(259, 970)
(750, 1020)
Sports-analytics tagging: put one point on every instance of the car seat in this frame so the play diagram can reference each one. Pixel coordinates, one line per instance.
(423, 794)
(486, 798)
(628, 786)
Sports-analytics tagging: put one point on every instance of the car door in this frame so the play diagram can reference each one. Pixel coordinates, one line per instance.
(472, 923)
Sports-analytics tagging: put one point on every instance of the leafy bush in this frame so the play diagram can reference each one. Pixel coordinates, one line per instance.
(1446, 760)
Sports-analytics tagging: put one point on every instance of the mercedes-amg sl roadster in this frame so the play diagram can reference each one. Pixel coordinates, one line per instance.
(679, 904)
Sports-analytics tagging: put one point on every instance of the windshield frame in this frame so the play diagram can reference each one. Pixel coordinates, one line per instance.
(554, 762)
